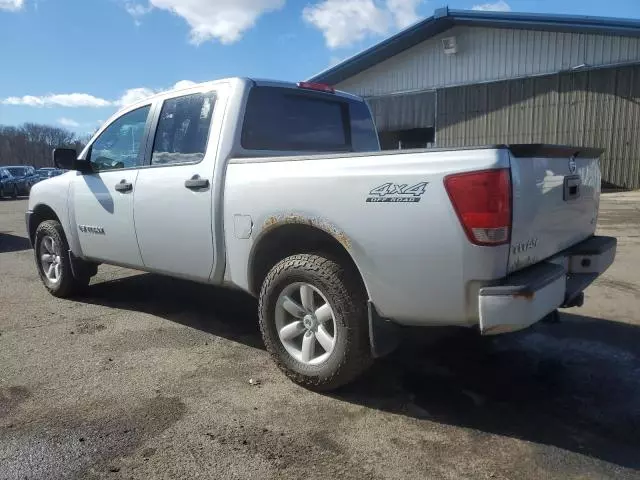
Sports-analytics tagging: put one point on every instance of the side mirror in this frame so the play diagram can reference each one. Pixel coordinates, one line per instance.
(67, 159)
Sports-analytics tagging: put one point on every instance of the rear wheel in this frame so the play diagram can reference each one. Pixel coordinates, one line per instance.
(313, 321)
(53, 263)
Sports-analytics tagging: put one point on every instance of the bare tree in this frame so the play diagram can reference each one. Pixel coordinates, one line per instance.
(32, 143)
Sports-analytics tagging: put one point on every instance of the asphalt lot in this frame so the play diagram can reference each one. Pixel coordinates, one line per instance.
(148, 377)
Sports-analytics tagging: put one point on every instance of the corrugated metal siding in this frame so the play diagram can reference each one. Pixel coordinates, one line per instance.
(598, 108)
(398, 112)
(488, 54)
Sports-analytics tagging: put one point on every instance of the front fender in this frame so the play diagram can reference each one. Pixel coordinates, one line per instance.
(53, 196)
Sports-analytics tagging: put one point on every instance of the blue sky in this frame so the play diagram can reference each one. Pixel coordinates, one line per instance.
(74, 62)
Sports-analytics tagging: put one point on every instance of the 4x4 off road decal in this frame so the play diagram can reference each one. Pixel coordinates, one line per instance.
(397, 193)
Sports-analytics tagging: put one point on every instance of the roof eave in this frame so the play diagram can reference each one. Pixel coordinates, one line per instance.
(444, 19)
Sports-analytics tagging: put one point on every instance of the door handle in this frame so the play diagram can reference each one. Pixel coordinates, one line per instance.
(124, 186)
(196, 182)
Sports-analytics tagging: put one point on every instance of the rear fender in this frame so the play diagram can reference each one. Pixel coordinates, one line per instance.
(384, 335)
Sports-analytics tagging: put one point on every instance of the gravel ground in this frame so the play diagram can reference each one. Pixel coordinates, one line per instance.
(148, 378)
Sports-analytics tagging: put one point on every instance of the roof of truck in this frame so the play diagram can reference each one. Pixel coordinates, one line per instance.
(443, 19)
(256, 81)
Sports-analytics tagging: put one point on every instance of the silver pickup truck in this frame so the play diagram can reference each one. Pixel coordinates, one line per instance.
(280, 190)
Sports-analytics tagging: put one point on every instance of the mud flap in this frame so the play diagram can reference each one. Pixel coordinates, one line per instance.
(80, 268)
(384, 335)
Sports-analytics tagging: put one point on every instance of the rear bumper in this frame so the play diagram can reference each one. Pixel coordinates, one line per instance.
(525, 297)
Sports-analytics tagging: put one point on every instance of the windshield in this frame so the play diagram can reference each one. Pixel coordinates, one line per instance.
(287, 119)
(16, 171)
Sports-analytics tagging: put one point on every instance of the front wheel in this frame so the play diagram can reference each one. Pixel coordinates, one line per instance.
(53, 262)
(313, 320)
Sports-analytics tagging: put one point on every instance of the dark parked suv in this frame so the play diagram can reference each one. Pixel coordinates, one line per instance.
(8, 184)
(25, 176)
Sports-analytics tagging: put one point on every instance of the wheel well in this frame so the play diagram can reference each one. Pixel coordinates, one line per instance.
(287, 240)
(40, 214)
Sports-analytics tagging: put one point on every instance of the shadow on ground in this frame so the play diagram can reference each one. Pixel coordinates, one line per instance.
(227, 313)
(13, 243)
(573, 385)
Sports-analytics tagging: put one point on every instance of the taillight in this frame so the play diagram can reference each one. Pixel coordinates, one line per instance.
(482, 201)
(321, 87)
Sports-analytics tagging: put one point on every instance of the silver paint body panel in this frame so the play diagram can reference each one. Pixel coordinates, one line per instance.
(416, 262)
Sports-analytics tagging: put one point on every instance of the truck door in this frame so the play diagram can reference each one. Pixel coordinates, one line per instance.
(102, 201)
(174, 201)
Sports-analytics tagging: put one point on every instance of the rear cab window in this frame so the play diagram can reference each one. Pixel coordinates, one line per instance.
(287, 119)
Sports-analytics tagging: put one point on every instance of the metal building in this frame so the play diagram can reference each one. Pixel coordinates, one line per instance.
(464, 78)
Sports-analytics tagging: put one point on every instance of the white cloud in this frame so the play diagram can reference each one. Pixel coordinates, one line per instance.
(137, 11)
(404, 11)
(184, 84)
(11, 5)
(134, 95)
(68, 122)
(59, 100)
(222, 20)
(344, 22)
(131, 95)
(499, 6)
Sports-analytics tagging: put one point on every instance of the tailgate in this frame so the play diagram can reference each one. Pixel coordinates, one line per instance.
(556, 192)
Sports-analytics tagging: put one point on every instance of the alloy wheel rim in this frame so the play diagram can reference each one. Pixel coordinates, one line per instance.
(305, 323)
(50, 259)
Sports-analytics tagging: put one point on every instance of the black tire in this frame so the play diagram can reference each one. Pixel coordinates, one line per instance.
(67, 285)
(14, 194)
(1, 192)
(345, 294)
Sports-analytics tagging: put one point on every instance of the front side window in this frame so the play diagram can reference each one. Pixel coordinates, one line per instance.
(118, 146)
(183, 129)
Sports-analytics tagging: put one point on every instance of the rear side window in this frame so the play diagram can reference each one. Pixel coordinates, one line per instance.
(364, 137)
(283, 119)
(183, 129)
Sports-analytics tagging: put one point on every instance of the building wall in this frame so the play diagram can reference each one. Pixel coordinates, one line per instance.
(489, 54)
(597, 108)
